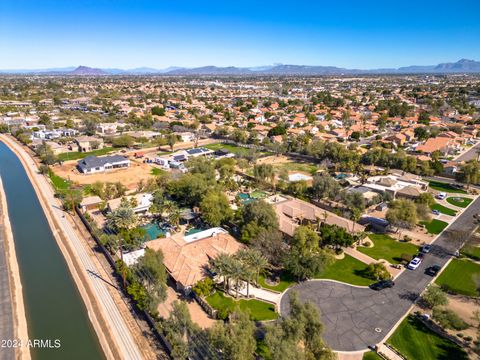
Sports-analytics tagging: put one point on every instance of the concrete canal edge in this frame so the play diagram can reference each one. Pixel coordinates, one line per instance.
(94, 310)
(19, 318)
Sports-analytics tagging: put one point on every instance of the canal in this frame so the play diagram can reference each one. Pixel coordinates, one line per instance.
(53, 305)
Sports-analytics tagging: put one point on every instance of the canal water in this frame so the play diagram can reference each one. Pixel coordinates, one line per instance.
(53, 305)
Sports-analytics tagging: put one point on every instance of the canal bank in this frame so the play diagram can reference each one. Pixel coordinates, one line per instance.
(53, 303)
(13, 328)
(113, 327)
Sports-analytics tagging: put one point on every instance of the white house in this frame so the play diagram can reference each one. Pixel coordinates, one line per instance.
(94, 164)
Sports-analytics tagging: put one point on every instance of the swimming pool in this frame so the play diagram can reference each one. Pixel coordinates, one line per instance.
(154, 231)
(193, 230)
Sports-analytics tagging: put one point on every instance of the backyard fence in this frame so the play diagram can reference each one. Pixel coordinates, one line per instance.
(143, 313)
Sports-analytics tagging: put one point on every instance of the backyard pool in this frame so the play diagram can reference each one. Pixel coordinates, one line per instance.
(154, 230)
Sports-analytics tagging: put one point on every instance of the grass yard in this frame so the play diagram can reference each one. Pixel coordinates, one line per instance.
(156, 171)
(462, 202)
(76, 155)
(59, 183)
(384, 247)
(415, 341)
(371, 355)
(348, 270)
(473, 252)
(296, 166)
(259, 310)
(234, 149)
(435, 226)
(444, 210)
(459, 277)
(444, 187)
(286, 280)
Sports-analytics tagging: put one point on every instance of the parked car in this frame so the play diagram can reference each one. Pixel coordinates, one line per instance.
(383, 284)
(426, 248)
(415, 263)
(442, 196)
(433, 270)
(435, 212)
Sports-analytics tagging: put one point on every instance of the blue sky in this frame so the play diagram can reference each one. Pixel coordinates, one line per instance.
(127, 34)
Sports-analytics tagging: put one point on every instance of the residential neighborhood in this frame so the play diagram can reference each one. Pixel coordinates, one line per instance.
(240, 193)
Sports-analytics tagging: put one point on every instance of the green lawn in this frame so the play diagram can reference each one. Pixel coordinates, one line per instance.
(460, 276)
(435, 226)
(259, 310)
(443, 209)
(348, 270)
(415, 341)
(59, 183)
(156, 171)
(234, 149)
(473, 252)
(444, 187)
(296, 166)
(459, 201)
(76, 155)
(384, 247)
(371, 355)
(286, 280)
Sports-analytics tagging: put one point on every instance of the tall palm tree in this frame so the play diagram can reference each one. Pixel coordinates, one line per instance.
(255, 261)
(239, 271)
(222, 265)
(122, 218)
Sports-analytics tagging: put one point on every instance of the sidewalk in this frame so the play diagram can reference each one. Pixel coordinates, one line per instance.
(368, 260)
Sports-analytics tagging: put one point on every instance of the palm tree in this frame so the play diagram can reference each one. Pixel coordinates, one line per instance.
(239, 271)
(222, 265)
(122, 218)
(257, 263)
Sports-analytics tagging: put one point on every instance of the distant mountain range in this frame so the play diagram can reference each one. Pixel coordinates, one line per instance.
(460, 67)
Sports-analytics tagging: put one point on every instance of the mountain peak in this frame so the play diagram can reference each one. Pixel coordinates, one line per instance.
(85, 70)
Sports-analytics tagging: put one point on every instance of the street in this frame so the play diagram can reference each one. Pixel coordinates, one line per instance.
(357, 317)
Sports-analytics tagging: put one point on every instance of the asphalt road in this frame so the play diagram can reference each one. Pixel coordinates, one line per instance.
(6, 311)
(470, 154)
(356, 317)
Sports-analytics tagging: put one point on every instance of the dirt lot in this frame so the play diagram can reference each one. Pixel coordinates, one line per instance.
(129, 177)
(464, 308)
(196, 312)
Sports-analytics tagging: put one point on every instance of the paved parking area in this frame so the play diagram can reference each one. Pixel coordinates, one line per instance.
(357, 317)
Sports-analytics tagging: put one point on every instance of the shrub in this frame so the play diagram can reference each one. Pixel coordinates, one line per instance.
(434, 296)
(448, 319)
(406, 258)
(203, 287)
(407, 238)
(377, 271)
(223, 313)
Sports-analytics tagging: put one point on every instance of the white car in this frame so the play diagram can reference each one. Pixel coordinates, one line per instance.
(414, 264)
(442, 196)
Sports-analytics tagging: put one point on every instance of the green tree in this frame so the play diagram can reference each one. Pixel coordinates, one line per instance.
(434, 296)
(324, 186)
(255, 216)
(298, 335)
(215, 208)
(236, 338)
(402, 213)
(377, 271)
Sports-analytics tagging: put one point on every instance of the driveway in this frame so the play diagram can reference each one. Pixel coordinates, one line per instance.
(356, 317)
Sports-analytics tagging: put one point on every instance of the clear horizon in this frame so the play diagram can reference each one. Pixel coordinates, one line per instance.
(146, 33)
